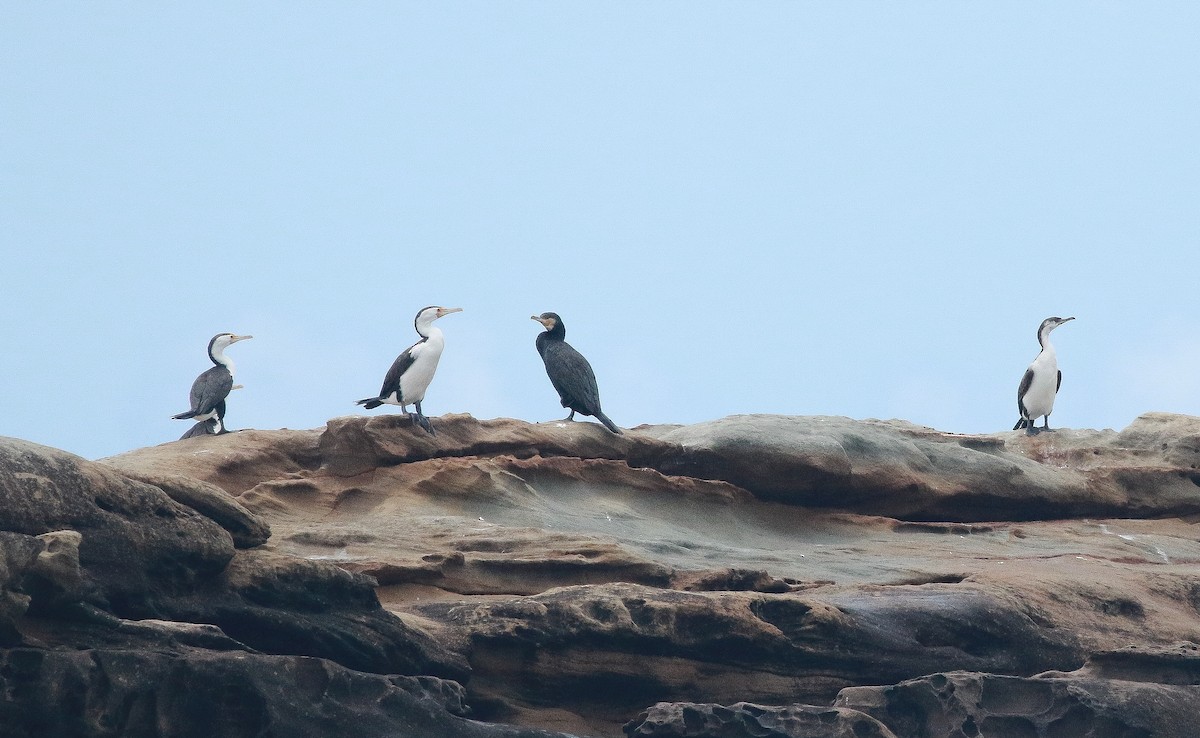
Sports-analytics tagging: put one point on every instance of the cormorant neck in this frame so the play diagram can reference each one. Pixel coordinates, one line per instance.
(557, 333)
(424, 326)
(1044, 338)
(429, 330)
(220, 359)
(1047, 347)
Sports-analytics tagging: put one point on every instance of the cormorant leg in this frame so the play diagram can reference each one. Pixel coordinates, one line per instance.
(1031, 429)
(570, 417)
(423, 421)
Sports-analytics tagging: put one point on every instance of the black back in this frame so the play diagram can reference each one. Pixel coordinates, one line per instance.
(210, 389)
(391, 381)
(569, 371)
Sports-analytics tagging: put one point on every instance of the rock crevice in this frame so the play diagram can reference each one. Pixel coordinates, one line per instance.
(755, 575)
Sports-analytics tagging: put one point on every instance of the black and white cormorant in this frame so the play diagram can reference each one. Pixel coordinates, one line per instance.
(412, 371)
(1035, 396)
(569, 372)
(211, 388)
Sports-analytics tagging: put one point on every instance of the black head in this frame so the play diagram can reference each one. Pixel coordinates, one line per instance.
(552, 323)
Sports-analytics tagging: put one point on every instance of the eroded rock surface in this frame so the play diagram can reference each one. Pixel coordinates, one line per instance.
(1133, 692)
(906, 471)
(738, 575)
(198, 694)
(746, 720)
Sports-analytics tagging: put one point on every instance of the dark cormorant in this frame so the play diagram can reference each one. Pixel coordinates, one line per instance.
(412, 371)
(569, 372)
(212, 387)
(1035, 396)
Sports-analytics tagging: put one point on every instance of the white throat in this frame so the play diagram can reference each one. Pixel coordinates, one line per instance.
(218, 355)
(434, 335)
(1047, 347)
(425, 325)
(1048, 354)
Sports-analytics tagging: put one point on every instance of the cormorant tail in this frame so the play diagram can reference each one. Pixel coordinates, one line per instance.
(1022, 423)
(203, 428)
(607, 423)
(184, 416)
(370, 403)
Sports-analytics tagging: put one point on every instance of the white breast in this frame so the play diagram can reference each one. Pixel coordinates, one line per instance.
(1039, 398)
(415, 381)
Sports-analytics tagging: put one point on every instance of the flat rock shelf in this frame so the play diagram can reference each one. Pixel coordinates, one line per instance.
(757, 575)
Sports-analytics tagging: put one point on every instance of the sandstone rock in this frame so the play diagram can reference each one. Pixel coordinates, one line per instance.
(199, 694)
(1178, 663)
(247, 529)
(745, 720)
(142, 555)
(1109, 698)
(175, 634)
(568, 578)
(55, 579)
(900, 470)
(138, 545)
(875, 467)
(661, 645)
(283, 605)
(17, 554)
(353, 445)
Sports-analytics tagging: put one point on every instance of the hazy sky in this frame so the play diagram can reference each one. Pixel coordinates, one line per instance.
(844, 208)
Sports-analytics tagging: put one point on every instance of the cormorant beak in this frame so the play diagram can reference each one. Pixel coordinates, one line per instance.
(1064, 320)
(546, 322)
(446, 311)
(235, 339)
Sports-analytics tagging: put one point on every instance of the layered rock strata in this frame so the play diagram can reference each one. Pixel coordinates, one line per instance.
(504, 578)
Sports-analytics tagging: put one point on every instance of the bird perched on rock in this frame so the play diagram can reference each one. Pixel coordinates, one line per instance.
(211, 388)
(569, 372)
(1039, 386)
(413, 370)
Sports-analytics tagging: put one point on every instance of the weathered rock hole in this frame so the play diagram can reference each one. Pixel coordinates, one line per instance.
(312, 678)
(1008, 726)
(863, 729)
(920, 579)
(693, 719)
(242, 712)
(1077, 722)
(1122, 607)
(787, 615)
(603, 612)
(23, 663)
(1015, 697)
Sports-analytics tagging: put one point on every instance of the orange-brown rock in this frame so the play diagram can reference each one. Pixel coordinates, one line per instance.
(570, 579)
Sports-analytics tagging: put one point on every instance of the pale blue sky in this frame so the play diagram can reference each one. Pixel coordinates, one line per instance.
(845, 208)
